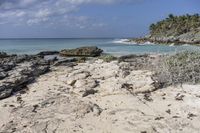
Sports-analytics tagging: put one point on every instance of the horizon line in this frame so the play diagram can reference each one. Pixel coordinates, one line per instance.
(65, 38)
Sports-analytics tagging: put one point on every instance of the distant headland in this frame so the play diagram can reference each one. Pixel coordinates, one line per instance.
(175, 30)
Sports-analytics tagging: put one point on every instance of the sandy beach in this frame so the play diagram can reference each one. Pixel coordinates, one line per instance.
(101, 97)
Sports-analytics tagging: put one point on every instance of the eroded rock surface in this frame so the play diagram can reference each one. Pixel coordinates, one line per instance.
(18, 71)
(97, 96)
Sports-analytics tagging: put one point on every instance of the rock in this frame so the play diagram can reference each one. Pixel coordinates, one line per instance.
(66, 62)
(7, 66)
(5, 93)
(44, 53)
(97, 110)
(18, 71)
(89, 92)
(82, 51)
(71, 81)
(80, 83)
(50, 58)
(3, 55)
(3, 75)
(41, 70)
(21, 58)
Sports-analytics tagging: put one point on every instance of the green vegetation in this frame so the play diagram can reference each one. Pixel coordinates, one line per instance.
(175, 25)
(180, 68)
(107, 58)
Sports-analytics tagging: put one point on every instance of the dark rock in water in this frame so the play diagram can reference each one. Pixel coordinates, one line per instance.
(82, 51)
(3, 55)
(3, 75)
(44, 53)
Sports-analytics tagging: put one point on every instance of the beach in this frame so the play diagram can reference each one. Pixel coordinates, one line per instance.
(94, 95)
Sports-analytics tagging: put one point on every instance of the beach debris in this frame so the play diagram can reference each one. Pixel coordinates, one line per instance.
(147, 97)
(179, 97)
(89, 92)
(159, 118)
(191, 115)
(168, 111)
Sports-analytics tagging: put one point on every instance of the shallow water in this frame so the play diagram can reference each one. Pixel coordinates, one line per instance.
(112, 46)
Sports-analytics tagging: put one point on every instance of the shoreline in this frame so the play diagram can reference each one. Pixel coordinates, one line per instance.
(162, 41)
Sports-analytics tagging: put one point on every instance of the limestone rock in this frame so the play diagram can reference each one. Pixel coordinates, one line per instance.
(82, 51)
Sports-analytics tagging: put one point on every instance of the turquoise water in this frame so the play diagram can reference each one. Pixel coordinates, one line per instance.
(113, 46)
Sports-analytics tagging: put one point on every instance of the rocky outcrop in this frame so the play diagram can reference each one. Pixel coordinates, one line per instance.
(16, 72)
(83, 51)
(3, 55)
(175, 30)
(44, 53)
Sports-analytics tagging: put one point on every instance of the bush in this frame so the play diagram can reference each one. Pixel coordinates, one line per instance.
(180, 68)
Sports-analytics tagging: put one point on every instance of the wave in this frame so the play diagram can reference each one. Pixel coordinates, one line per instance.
(123, 41)
(126, 41)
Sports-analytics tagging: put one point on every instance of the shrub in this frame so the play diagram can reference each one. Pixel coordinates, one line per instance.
(179, 68)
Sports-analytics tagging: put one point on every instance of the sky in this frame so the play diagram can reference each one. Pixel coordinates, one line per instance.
(86, 18)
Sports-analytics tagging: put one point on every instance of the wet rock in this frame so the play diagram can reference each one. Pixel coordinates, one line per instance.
(82, 51)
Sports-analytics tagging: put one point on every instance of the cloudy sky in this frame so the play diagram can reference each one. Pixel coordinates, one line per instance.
(86, 18)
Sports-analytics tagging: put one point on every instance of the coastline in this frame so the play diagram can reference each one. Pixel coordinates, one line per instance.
(162, 41)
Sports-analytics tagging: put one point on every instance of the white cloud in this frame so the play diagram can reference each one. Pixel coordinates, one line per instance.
(36, 21)
(33, 12)
(43, 13)
(11, 14)
(91, 1)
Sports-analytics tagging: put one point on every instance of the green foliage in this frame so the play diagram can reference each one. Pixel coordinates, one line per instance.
(175, 25)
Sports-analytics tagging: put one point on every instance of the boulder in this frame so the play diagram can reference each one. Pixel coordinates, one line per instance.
(44, 53)
(5, 91)
(82, 51)
(3, 75)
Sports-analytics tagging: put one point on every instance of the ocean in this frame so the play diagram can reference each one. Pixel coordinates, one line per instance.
(112, 46)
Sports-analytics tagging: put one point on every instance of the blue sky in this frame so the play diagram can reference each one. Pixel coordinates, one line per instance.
(86, 18)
